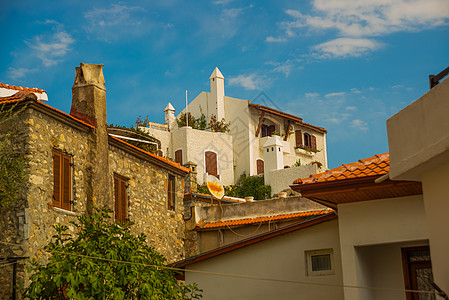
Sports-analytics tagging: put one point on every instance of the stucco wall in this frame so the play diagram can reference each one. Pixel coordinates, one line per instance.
(417, 135)
(281, 257)
(436, 191)
(282, 179)
(194, 143)
(394, 220)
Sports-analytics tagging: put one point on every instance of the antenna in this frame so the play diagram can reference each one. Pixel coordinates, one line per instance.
(187, 111)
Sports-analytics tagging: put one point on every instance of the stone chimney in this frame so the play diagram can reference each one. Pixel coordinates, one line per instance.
(89, 105)
(191, 184)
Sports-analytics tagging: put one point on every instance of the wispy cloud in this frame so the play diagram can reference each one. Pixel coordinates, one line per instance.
(271, 39)
(117, 20)
(286, 67)
(51, 48)
(344, 47)
(18, 73)
(312, 95)
(359, 124)
(336, 94)
(223, 2)
(249, 82)
(357, 22)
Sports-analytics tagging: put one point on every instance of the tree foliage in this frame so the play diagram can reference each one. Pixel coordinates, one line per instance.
(12, 163)
(72, 273)
(247, 186)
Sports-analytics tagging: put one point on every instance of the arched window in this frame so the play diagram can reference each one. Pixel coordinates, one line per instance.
(210, 158)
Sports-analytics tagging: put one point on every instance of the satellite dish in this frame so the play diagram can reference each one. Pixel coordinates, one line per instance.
(215, 187)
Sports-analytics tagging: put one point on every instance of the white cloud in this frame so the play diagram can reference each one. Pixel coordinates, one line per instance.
(223, 2)
(337, 94)
(371, 17)
(117, 21)
(355, 22)
(249, 82)
(355, 91)
(359, 124)
(312, 95)
(271, 39)
(232, 12)
(351, 108)
(344, 47)
(285, 67)
(18, 73)
(50, 49)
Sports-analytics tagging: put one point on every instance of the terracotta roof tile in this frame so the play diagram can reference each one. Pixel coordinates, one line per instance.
(248, 221)
(371, 166)
(21, 88)
(22, 96)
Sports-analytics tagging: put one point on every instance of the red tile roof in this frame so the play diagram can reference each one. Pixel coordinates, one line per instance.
(26, 95)
(21, 88)
(248, 221)
(373, 166)
(287, 116)
(162, 159)
(255, 239)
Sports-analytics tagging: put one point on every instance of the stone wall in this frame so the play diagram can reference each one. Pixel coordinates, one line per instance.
(147, 205)
(28, 223)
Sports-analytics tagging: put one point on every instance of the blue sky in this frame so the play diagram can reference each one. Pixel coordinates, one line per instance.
(339, 64)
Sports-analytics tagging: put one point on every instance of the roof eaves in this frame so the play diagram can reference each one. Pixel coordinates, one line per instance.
(255, 239)
(160, 161)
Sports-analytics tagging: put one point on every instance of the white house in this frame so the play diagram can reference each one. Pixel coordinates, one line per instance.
(247, 148)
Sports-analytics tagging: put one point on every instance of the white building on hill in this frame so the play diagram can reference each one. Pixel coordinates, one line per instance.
(247, 148)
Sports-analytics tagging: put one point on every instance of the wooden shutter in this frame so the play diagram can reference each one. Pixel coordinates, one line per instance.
(298, 137)
(211, 163)
(312, 142)
(56, 179)
(66, 182)
(178, 156)
(171, 193)
(307, 139)
(260, 166)
(62, 180)
(121, 198)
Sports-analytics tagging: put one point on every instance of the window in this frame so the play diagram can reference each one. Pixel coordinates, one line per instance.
(121, 198)
(268, 130)
(178, 156)
(260, 166)
(320, 262)
(211, 163)
(62, 180)
(309, 141)
(171, 199)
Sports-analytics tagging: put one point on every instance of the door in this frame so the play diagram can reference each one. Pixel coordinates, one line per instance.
(417, 272)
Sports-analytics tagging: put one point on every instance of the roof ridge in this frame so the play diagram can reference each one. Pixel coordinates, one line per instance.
(21, 88)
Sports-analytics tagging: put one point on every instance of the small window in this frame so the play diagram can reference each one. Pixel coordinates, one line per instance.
(171, 191)
(320, 262)
(121, 198)
(307, 141)
(62, 180)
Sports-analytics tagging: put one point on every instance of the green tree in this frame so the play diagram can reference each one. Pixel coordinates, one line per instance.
(72, 273)
(12, 162)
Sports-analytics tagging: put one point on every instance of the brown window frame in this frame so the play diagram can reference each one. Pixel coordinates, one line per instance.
(121, 198)
(62, 180)
(171, 192)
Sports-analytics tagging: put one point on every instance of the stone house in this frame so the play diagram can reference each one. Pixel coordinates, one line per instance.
(247, 148)
(75, 165)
